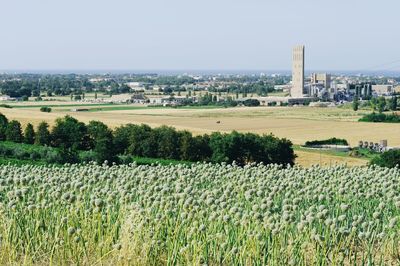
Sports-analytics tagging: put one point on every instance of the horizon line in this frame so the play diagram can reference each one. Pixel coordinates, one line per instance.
(183, 71)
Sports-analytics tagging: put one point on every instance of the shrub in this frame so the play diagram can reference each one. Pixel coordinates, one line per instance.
(251, 102)
(331, 141)
(45, 109)
(389, 159)
(52, 156)
(87, 156)
(381, 118)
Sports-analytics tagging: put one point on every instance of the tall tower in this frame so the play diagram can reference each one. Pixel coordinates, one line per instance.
(297, 72)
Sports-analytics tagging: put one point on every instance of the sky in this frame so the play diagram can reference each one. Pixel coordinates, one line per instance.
(198, 35)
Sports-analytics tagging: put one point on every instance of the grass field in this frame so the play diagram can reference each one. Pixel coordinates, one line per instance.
(299, 124)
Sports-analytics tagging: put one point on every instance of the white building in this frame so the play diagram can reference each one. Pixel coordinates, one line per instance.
(297, 90)
(6, 98)
(382, 89)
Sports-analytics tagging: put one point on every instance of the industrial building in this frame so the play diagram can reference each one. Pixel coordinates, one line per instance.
(297, 90)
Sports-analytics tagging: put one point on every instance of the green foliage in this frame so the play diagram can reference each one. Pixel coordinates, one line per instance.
(393, 103)
(72, 136)
(194, 148)
(101, 139)
(42, 136)
(373, 103)
(29, 134)
(168, 143)
(380, 118)
(250, 148)
(45, 109)
(389, 159)
(355, 104)
(251, 102)
(381, 104)
(14, 131)
(68, 154)
(3, 126)
(331, 141)
(167, 140)
(69, 133)
(20, 151)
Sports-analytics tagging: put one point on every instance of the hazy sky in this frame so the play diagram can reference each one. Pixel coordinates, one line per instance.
(206, 34)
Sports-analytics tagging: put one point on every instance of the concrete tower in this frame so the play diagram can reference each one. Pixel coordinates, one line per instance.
(297, 72)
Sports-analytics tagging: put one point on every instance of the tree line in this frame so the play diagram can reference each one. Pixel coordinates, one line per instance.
(71, 137)
(380, 104)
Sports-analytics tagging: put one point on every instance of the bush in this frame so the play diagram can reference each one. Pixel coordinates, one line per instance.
(331, 141)
(389, 159)
(251, 102)
(52, 156)
(381, 118)
(87, 156)
(20, 153)
(125, 159)
(45, 109)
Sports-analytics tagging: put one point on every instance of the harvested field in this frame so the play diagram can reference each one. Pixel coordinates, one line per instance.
(308, 159)
(297, 124)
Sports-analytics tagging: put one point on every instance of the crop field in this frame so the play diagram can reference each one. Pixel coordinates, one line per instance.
(310, 158)
(199, 214)
(297, 124)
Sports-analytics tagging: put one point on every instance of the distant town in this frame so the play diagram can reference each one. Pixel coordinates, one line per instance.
(319, 89)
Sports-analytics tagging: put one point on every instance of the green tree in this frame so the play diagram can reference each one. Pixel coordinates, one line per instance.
(373, 103)
(393, 103)
(355, 104)
(14, 131)
(69, 132)
(121, 138)
(3, 126)
(29, 134)
(68, 154)
(102, 139)
(141, 142)
(381, 104)
(42, 136)
(168, 142)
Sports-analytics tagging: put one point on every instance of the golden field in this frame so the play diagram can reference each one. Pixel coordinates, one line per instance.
(307, 159)
(298, 124)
